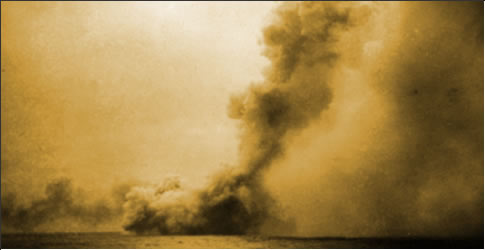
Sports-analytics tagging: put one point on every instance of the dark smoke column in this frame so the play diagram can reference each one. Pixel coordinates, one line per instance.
(302, 46)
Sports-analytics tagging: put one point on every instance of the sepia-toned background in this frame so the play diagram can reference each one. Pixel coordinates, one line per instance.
(373, 113)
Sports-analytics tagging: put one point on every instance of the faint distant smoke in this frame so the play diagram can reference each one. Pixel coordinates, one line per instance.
(61, 201)
(302, 47)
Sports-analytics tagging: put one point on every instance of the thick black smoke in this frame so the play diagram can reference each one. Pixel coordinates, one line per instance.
(301, 45)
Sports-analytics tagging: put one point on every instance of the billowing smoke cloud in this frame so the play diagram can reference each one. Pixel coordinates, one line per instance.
(301, 46)
(62, 203)
(409, 161)
(435, 83)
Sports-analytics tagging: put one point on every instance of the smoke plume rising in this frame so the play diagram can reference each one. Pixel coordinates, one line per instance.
(301, 46)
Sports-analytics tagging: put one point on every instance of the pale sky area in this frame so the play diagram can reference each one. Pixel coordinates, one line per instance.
(126, 90)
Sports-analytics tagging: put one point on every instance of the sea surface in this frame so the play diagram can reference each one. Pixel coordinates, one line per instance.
(119, 240)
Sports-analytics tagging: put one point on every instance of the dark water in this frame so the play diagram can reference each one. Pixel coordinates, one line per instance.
(118, 240)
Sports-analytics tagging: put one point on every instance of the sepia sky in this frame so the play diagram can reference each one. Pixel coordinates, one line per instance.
(105, 93)
(109, 91)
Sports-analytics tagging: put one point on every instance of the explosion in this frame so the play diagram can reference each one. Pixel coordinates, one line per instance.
(301, 45)
(368, 121)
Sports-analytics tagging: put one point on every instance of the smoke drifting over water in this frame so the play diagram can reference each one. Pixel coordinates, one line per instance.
(302, 51)
(62, 203)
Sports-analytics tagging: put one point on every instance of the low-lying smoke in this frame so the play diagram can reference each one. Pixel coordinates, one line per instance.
(62, 201)
(301, 45)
